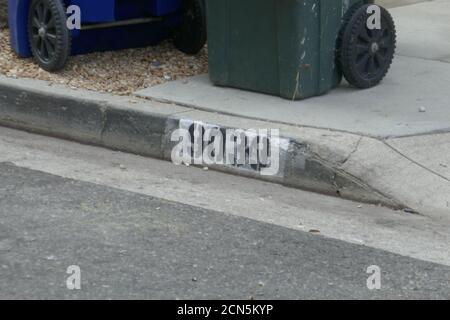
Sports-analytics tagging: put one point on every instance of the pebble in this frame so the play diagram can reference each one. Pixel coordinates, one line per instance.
(156, 64)
(118, 72)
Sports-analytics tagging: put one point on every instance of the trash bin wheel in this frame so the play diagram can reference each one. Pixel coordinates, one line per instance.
(190, 35)
(49, 37)
(365, 56)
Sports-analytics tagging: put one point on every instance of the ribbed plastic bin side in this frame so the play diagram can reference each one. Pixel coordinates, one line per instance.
(279, 47)
(18, 21)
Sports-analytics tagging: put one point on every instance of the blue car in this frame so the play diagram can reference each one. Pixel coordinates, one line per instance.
(40, 28)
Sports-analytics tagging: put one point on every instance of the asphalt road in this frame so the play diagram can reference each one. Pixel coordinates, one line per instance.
(130, 245)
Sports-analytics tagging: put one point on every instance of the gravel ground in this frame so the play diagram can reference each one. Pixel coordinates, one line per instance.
(119, 72)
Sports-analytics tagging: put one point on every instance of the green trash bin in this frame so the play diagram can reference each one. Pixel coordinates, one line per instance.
(295, 49)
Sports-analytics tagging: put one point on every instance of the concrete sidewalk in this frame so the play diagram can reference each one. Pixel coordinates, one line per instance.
(418, 79)
(371, 145)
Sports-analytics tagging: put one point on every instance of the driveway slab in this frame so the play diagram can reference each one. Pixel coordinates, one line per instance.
(390, 109)
(423, 30)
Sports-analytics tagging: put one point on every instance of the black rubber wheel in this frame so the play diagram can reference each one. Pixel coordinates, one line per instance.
(365, 55)
(49, 37)
(190, 35)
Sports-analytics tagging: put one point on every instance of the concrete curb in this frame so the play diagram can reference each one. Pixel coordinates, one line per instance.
(313, 159)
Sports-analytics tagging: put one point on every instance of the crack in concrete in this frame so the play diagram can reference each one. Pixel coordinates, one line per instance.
(415, 162)
(442, 60)
(383, 198)
(358, 143)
